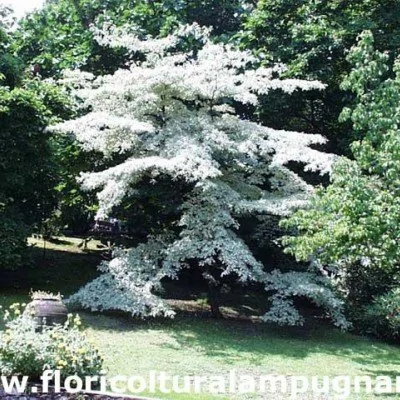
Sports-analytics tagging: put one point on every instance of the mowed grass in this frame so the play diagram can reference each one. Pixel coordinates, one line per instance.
(188, 346)
(202, 346)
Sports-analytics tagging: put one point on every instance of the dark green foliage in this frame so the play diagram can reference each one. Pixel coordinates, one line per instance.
(312, 38)
(355, 222)
(76, 208)
(224, 16)
(382, 318)
(25, 176)
(13, 233)
(27, 169)
(59, 36)
(11, 68)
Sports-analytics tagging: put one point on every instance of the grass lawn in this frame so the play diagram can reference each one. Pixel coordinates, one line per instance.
(200, 345)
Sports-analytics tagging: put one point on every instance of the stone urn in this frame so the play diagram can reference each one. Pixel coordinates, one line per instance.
(47, 309)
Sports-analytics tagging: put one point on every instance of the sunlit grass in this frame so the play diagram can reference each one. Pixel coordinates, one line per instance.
(204, 347)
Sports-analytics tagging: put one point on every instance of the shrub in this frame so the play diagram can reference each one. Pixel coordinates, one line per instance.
(25, 351)
(13, 233)
(382, 317)
(352, 227)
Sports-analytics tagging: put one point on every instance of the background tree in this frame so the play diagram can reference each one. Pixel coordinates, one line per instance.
(353, 226)
(312, 38)
(11, 67)
(58, 36)
(172, 117)
(27, 169)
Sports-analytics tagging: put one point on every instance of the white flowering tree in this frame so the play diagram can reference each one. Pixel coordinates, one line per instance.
(171, 118)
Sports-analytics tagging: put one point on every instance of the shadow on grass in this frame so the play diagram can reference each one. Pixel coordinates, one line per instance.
(229, 339)
(238, 343)
(56, 271)
(59, 241)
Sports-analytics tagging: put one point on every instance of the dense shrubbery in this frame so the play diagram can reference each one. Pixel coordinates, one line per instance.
(28, 169)
(26, 351)
(382, 317)
(13, 233)
(353, 226)
(313, 38)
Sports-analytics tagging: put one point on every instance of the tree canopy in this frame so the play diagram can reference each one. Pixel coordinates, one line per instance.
(313, 38)
(173, 117)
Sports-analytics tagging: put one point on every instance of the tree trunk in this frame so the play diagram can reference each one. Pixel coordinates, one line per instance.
(214, 300)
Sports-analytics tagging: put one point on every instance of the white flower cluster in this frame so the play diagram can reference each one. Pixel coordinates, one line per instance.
(173, 115)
